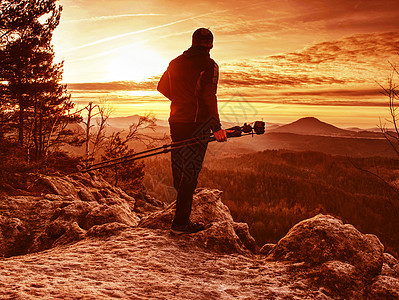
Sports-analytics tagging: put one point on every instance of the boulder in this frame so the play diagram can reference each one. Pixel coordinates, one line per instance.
(384, 288)
(75, 211)
(242, 231)
(387, 270)
(12, 236)
(324, 238)
(219, 237)
(266, 248)
(145, 204)
(208, 208)
(60, 185)
(56, 233)
(339, 278)
(55, 197)
(396, 269)
(3, 243)
(390, 260)
(223, 235)
(321, 295)
(158, 220)
(86, 195)
(68, 206)
(87, 187)
(108, 214)
(106, 230)
(72, 234)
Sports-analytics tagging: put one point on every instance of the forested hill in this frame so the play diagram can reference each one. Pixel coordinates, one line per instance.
(275, 189)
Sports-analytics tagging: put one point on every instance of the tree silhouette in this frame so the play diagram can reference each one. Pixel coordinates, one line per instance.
(392, 92)
(94, 126)
(129, 175)
(35, 104)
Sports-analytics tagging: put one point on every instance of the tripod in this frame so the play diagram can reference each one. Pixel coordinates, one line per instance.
(237, 131)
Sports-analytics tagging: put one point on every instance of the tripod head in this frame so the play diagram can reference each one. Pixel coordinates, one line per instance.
(258, 127)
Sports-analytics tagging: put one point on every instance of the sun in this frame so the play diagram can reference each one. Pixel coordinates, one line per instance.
(136, 63)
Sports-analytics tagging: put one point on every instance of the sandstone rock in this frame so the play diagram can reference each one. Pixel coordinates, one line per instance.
(12, 236)
(116, 201)
(158, 220)
(109, 214)
(145, 203)
(87, 187)
(384, 288)
(326, 259)
(55, 197)
(208, 209)
(60, 186)
(321, 295)
(46, 238)
(242, 231)
(90, 179)
(130, 200)
(143, 207)
(3, 242)
(142, 263)
(324, 238)
(106, 192)
(220, 237)
(57, 228)
(85, 195)
(85, 179)
(72, 234)
(75, 211)
(60, 216)
(390, 260)
(153, 201)
(396, 269)
(266, 248)
(387, 270)
(97, 195)
(58, 232)
(340, 279)
(106, 230)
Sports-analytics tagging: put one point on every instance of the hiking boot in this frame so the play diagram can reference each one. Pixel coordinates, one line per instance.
(188, 228)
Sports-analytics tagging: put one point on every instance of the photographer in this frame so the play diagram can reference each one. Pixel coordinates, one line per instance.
(190, 82)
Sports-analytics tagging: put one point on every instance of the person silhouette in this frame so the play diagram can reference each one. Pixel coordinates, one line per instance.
(190, 83)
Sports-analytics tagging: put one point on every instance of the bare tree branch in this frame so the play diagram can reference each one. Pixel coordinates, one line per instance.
(393, 188)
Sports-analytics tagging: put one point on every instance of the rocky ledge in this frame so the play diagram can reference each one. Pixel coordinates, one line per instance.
(85, 239)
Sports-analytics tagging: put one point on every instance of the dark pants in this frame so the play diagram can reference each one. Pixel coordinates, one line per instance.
(186, 165)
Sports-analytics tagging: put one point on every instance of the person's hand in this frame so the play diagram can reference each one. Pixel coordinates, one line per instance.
(221, 135)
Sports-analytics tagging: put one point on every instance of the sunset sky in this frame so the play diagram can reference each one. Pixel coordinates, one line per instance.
(279, 60)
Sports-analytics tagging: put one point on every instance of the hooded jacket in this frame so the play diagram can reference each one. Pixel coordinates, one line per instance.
(190, 82)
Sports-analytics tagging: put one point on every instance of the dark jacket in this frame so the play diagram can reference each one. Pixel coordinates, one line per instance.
(190, 82)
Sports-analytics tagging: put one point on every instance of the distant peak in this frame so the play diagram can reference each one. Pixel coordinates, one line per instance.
(313, 119)
(312, 126)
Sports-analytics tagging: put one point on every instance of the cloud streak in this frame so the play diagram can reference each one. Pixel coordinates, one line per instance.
(141, 31)
(150, 84)
(359, 59)
(107, 18)
(115, 37)
(308, 18)
(105, 53)
(274, 79)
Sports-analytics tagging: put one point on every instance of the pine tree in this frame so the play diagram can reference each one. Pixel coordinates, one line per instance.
(128, 175)
(37, 103)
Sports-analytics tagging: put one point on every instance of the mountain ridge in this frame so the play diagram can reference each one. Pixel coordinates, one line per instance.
(311, 126)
